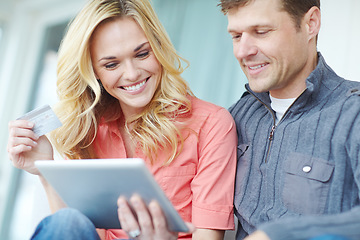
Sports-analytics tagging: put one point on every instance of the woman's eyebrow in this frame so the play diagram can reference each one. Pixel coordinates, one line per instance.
(107, 58)
(140, 46)
(135, 50)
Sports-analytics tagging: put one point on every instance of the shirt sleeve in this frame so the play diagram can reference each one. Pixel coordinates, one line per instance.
(213, 184)
(344, 224)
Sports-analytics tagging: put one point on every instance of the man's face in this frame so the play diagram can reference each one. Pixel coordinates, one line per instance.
(273, 53)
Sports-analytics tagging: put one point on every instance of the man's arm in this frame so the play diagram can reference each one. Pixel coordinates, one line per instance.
(345, 224)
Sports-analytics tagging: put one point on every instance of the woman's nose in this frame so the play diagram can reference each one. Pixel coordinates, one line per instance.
(131, 72)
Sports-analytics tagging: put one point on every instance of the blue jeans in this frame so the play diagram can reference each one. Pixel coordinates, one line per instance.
(66, 224)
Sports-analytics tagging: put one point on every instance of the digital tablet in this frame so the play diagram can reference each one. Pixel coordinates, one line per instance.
(93, 187)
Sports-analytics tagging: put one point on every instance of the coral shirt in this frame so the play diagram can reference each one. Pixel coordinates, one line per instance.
(200, 180)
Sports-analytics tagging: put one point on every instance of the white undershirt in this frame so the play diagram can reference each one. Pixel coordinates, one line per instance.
(280, 106)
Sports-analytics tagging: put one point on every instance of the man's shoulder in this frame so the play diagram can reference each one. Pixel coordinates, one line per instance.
(350, 90)
(337, 89)
(244, 102)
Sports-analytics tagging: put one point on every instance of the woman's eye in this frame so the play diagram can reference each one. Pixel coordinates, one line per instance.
(143, 54)
(110, 65)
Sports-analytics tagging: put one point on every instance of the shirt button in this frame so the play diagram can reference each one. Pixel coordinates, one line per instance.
(306, 169)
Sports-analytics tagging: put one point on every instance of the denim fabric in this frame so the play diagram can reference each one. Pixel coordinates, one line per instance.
(66, 224)
(299, 178)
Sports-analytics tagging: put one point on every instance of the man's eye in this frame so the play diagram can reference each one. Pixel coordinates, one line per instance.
(236, 37)
(262, 32)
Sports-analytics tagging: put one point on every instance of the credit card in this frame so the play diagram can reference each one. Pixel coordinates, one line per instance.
(44, 118)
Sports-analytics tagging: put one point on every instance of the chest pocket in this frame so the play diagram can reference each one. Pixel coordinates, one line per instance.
(176, 182)
(306, 183)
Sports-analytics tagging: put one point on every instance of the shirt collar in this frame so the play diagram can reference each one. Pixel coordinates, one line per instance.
(314, 84)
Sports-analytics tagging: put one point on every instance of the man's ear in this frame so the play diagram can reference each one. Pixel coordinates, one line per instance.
(313, 22)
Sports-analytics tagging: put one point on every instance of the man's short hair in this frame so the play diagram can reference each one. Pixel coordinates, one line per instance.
(296, 8)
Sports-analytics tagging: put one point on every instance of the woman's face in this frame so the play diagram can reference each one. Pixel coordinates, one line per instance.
(124, 62)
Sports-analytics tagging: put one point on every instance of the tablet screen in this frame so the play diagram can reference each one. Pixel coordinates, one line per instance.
(93, 187)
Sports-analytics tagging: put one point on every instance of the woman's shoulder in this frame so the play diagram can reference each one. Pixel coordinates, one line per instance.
(201, 108)
(211, 121)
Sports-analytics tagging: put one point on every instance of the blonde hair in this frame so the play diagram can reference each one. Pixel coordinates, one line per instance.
(83, 102)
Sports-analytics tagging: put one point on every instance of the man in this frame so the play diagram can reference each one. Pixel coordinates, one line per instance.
(298, 125)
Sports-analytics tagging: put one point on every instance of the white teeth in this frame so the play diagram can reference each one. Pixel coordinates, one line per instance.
(257, 67)
(135, 87)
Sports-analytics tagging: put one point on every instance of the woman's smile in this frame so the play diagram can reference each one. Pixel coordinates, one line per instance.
(136, 86)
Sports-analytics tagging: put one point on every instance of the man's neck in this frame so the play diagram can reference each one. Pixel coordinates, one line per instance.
(295, 88)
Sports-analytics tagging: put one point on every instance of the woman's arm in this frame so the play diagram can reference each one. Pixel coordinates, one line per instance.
(24, 148)
(55, 202)
(213, 185)
(205, 234)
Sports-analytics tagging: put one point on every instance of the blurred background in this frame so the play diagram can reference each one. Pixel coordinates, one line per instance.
(30, 34)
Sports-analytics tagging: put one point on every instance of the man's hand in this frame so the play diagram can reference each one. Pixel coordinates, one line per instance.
(257, 235)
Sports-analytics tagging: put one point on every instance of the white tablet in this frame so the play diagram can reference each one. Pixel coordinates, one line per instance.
(93, 187)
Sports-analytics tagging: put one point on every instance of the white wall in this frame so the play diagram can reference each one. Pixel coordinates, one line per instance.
(25, 23)
(340, 36)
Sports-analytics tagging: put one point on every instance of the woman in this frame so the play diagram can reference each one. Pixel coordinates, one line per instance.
(121, 95)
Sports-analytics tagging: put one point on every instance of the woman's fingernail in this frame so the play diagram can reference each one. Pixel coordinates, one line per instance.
(135, 201)
(121, 203)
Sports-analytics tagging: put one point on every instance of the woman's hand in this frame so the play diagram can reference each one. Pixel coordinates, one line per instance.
(24, 147)
(146, 222)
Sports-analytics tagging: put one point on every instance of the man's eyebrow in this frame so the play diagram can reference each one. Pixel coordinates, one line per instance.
(231, 31)
(140, 46)
(252, 27)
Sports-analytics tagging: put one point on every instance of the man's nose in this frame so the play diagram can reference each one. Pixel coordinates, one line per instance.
(245, 47)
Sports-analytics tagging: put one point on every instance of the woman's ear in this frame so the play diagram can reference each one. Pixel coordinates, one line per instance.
(313, 22)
